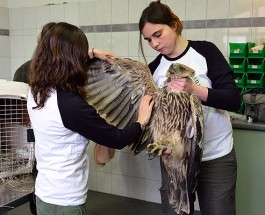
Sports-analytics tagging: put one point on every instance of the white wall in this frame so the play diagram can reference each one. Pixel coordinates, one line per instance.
(125, 175)
(34, 3)
(26, 17)
(4, 3)
(4, 42)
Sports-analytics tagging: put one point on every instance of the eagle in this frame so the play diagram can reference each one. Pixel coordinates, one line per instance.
(176, 124)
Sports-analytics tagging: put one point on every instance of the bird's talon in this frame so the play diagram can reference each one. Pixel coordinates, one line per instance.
(155, 150)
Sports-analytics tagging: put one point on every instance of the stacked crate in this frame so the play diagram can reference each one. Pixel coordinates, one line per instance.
(255, 69)
(248, 66)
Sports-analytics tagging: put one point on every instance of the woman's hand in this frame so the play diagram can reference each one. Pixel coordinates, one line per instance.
(101, 54)
(186, 84)
(145, 109)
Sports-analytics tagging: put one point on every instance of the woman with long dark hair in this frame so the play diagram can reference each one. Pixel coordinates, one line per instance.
(63, 122)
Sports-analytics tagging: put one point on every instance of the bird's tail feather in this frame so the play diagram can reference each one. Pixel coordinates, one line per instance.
(178, 194)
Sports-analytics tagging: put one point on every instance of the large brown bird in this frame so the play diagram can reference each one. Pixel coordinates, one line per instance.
(176, 124)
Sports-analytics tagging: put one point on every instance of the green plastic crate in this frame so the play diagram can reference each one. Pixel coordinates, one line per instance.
(240, 79)
(238, 50)
(254, 80)
(241, 109)
(242, 104)
(238, 65)
(256, 65)
(256, 53)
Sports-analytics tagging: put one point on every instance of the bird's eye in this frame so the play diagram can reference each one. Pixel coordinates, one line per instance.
(181, 68)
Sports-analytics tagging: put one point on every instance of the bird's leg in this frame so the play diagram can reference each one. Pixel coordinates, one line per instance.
(154, 150)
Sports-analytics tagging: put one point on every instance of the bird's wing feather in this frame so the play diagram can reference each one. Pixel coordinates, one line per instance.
(195, 153)
(115, 90)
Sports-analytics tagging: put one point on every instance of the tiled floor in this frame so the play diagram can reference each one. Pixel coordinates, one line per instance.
(107, 204)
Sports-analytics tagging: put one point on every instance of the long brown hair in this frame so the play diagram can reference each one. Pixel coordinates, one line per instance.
(59, 61)
(45, 29)
(158, 13)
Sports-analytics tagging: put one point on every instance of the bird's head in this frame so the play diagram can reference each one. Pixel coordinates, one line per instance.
(178, 70)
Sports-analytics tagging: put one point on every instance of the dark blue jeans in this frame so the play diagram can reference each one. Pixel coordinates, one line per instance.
(216, 187)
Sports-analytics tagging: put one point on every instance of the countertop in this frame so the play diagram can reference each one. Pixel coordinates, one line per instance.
(238, 124)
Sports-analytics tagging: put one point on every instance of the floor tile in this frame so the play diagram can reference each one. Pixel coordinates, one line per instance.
(107, 204)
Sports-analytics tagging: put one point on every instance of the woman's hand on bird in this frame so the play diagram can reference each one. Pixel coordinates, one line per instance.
(186, 84)
(101, 54)
(145, 109)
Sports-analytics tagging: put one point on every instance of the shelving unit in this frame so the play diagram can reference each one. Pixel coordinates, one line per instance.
(248, 66)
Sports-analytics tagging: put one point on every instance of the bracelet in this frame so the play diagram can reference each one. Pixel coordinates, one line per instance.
(93, 52)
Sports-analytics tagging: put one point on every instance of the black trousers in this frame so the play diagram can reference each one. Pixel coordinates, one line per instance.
(216, 187)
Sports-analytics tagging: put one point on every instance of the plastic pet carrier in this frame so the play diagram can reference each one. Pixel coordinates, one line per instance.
(16, 153)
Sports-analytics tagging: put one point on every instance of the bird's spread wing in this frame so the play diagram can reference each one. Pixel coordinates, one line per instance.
(115, 90)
